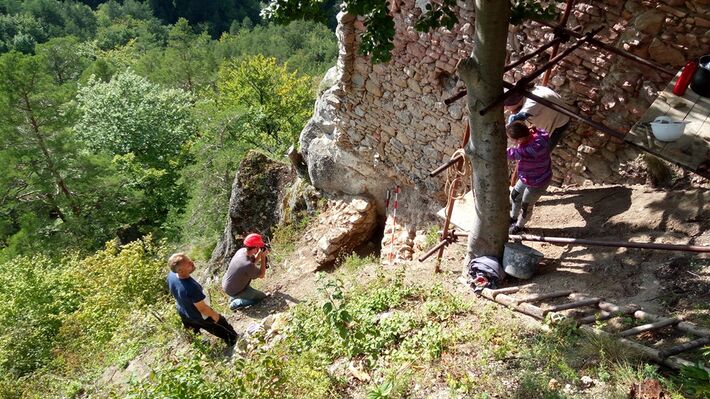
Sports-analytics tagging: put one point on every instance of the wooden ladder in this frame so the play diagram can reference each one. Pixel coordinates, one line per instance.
(603, 310)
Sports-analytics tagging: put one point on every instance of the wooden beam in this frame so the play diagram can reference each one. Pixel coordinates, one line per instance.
(539, 297)
(648, 327)
(571, 305)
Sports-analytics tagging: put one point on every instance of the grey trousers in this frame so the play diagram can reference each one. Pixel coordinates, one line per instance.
(522, 200)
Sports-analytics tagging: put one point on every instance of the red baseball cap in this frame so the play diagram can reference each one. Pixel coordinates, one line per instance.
(254, 240)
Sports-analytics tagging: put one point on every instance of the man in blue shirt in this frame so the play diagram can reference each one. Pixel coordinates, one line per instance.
(190, 301)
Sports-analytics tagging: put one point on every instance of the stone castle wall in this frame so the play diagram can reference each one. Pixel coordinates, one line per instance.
(377, 126)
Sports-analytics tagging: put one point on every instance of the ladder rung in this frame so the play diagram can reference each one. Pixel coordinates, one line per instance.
(674, 350)
(539, 297)
(571, 305)
(648, 327)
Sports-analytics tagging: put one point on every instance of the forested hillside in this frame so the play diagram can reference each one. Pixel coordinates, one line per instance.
(124, 122)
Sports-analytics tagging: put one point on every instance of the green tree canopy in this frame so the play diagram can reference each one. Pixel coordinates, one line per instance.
(20, 32)
(35, 139)
(129, 114)
(270, 104)
(147, 130)
(187, 62)
(306, 46)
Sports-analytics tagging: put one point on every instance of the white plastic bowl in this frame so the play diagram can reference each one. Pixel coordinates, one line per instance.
(666, 129)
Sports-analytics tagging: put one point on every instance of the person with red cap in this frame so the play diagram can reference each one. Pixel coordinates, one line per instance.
(243, 269)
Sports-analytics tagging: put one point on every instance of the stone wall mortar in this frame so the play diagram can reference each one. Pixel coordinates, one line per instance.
(392, 116)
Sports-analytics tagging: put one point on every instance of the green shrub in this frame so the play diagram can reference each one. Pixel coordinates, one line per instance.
(35, 299)
(112, 283)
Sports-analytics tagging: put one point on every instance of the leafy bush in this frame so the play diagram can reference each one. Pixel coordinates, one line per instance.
(36, 298)
(695, 380)
(186, 379)
(353, 262)
(112, 283)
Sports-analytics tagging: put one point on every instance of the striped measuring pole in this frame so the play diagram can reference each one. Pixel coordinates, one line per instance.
(390, 257)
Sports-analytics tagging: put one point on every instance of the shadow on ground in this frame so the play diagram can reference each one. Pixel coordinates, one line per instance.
(277, 302)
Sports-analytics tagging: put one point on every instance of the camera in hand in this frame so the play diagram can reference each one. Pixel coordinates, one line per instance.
(266, 258)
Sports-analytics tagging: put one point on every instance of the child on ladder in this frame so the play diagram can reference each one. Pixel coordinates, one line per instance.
(532, 152)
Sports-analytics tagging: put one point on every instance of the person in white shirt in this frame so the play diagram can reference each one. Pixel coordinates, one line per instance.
(538, 115)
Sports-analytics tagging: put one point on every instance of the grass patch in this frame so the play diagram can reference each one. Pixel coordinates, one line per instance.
(286, 237)
(353, 263)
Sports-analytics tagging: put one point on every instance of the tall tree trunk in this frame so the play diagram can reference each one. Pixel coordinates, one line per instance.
(59, 180)
(483, 75)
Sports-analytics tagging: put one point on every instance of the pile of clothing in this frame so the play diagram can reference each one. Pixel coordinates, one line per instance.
(484, 272)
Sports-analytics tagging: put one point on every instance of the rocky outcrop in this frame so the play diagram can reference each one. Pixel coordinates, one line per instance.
(254, 205)
(297, 198)
(378, 126)
(345, 224)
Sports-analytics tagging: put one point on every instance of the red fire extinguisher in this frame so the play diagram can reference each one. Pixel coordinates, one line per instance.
(682, 83)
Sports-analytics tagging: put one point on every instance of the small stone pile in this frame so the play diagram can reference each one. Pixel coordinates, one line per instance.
(399, 249)
(345, 224)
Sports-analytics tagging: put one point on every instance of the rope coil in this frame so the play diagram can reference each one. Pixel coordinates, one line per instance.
(453, 173)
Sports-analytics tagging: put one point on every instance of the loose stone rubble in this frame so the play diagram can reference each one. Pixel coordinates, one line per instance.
(343, 226)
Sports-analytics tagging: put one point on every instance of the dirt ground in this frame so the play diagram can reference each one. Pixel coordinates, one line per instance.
(658, 281)
(661, 282)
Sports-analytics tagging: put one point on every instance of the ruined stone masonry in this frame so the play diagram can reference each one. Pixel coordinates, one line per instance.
(376, 126)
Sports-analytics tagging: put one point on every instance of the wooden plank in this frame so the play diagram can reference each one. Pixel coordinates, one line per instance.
(658, 108)
(674, 350)
(679, 107)
(641, 135)
(697, 116)
(692, 150)
(648, 327)
(689, 151)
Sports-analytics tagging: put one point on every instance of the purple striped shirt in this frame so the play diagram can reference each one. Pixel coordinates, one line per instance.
(535, 165)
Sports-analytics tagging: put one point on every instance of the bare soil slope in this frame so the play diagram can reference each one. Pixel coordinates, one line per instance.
(662, 282)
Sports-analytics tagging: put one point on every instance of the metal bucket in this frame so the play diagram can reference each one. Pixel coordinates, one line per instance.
(520, 261)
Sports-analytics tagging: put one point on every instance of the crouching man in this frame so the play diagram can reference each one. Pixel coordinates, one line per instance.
(190, 301)
(247, 264)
